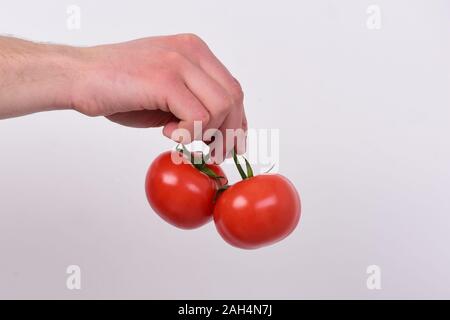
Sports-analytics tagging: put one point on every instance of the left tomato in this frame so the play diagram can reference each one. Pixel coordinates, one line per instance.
(180, 193)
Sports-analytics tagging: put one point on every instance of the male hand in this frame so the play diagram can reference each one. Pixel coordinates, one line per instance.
(167, 81)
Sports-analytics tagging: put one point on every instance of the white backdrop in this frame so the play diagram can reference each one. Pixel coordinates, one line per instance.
(364, 124)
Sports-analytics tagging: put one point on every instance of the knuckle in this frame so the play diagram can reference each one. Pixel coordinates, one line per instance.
(189, 38)
(87, 108)
(225, 107)
(89, 113)
(173, 57)
(168, 77)
(237, 93)
(245, 125)
(203, 117)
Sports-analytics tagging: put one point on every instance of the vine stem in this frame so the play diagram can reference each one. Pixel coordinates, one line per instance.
(202, 167)
(244, 175)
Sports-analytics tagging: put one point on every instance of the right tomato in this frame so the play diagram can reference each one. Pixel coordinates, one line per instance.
(257, 211)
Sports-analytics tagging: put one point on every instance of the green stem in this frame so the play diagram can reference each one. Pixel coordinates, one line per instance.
(249, 168)
(238, 166)
(219, 192)
(199, 166)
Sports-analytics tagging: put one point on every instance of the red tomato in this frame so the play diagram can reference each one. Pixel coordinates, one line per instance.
(180, 193)
(258, 211)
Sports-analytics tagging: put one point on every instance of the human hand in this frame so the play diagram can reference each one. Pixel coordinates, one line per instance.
(168, 81)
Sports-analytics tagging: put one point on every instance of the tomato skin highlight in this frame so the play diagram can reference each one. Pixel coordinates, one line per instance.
(258, 211)
(179, 193)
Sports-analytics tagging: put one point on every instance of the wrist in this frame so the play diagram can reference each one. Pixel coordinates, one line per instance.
(35, 77)
(57, 68)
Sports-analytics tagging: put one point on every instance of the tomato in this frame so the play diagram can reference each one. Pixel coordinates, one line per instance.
(180, 193)
(257, 211)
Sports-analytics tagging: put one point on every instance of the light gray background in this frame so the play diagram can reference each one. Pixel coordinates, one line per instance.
(364, 121)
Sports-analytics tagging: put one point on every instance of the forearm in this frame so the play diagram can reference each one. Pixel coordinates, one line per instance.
(34, 77)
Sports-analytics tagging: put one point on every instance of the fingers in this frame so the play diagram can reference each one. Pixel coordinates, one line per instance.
(197, 86)
(212, 95)
(245, 128)
(192, 95)
(232, 126)
(187, 109)
(198, 52)
(244, 121)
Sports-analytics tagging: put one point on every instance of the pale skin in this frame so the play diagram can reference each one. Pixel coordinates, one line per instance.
(166, 81)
